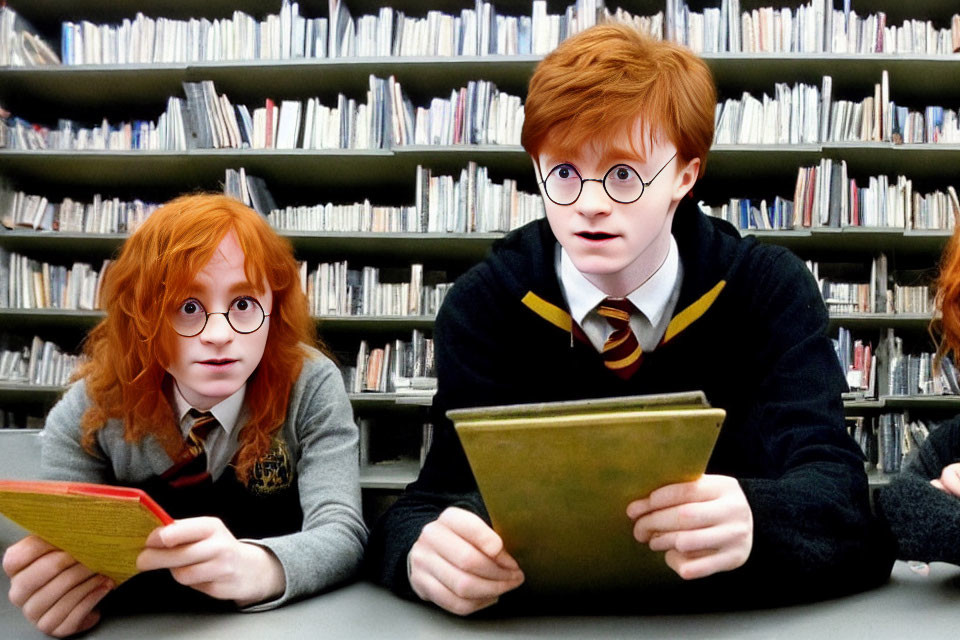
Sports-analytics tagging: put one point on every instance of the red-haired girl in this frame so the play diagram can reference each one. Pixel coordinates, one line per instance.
(922, 506)
(202, 387)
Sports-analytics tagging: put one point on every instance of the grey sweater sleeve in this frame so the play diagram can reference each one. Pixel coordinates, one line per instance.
(329, 548)
(62, 457)
(323, 437)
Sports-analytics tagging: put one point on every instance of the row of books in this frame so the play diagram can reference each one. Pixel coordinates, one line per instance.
(20, 46)
(886, 439)
(26, 283)
(360, 217)
(213, 122)
(21, 210)
(476, 31)
(855, 297)
(472, 203)
(479, 31)
(877, 295)
(912, 374)
(396, 367)
(40, 363)
(813, 27)
(145, 40)
(825, 196)
(886, 370)
(476, 114)
(793, 116)
(804, 114)
(333, 288)
(166, 134)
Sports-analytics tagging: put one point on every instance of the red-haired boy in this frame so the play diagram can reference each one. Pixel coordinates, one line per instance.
(626, 288)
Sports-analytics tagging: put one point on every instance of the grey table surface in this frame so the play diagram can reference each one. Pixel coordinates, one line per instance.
(909, 607)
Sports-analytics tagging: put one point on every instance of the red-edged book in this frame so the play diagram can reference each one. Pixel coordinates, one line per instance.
(104, 527)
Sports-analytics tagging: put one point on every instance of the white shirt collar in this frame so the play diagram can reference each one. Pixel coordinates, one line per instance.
(227, 411)
(650, 298)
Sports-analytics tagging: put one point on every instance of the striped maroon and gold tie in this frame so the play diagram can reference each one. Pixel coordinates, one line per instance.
(621, 351)
(191, 466)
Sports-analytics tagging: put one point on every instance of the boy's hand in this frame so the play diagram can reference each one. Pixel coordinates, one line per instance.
(949, 480)
(705, 526)
(201, 553)
(459, 563)
(55, 592)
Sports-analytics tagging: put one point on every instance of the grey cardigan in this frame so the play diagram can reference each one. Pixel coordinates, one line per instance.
(320, 435)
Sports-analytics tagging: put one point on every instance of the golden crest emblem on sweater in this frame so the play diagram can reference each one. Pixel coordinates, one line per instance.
(273, 472)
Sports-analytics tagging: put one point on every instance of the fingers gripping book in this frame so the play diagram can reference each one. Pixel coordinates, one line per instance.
(103, 527)
(557, 477)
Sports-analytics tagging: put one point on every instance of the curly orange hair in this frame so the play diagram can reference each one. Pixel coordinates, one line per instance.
(946, 330)
(598, 83)
(127, 353)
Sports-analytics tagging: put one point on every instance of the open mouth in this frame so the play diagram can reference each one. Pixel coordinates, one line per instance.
(595, 235)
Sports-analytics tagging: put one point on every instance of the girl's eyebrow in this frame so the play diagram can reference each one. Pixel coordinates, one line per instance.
(198, 290)
(242, 287)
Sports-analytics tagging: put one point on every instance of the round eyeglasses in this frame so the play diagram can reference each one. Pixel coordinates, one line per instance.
(245, 315)
(563, 185)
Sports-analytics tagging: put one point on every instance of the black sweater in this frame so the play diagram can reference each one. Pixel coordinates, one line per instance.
(925, 520)
(748, 330)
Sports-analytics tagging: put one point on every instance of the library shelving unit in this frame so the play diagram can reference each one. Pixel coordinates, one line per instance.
(90, 93)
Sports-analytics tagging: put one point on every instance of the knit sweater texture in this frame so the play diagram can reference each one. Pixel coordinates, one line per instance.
(748, 330)
(321, 438)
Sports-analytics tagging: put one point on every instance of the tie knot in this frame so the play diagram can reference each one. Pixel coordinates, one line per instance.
(616, 310)
(202, 423)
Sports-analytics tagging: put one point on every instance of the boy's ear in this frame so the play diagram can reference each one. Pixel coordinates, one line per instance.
(686, 178)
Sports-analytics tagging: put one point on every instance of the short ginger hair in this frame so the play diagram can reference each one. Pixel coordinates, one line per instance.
(598, 83)
(127, 353)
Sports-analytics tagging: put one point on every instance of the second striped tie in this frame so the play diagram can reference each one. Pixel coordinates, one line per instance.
(191, 466)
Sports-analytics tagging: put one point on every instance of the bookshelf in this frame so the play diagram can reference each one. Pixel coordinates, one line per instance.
(89, 93)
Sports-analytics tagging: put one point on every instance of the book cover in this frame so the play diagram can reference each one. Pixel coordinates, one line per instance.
(102, 526)
(557, 478)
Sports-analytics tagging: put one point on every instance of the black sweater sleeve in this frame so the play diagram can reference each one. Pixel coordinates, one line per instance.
(924, 520)
(813, 527)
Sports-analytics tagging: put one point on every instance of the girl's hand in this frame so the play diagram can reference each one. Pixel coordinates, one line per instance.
(201, 553)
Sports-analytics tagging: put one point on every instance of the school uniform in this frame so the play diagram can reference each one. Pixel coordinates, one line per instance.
(747, 327)
(303, 503)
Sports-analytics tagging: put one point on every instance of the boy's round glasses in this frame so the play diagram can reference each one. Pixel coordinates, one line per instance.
(245, 315)
(622, 183)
